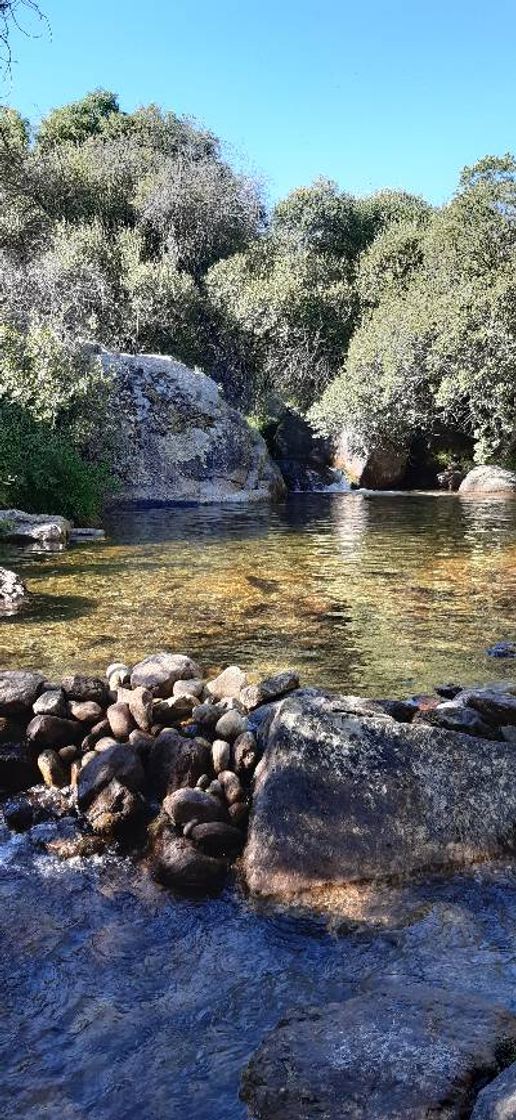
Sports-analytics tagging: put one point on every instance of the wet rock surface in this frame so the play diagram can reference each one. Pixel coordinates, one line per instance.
(396, 1052)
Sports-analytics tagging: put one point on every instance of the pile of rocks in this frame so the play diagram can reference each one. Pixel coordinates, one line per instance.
(153, 752)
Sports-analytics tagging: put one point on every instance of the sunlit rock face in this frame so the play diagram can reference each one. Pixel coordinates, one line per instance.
(178, 440)
(345, 795)
(489, 480)
(374, 467)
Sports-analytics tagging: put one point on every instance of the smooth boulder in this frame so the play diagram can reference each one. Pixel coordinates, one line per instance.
(341, 798)
(174, 762)
(488, 480)
(19, 689)
(399, 1051)
(159, 672)
(178, 864)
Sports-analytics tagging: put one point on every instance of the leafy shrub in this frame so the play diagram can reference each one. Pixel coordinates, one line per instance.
(41, 472)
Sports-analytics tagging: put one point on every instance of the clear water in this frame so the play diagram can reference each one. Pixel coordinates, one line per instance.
(381, 595)
(121, 1002)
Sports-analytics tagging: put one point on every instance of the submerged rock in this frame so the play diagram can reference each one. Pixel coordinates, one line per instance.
(13, 592)
(177, 438)
(340, 798)
(398, 1051)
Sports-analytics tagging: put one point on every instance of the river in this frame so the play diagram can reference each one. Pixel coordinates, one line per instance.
(121, 1002)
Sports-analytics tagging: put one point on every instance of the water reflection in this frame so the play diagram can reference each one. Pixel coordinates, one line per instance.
(373, 593)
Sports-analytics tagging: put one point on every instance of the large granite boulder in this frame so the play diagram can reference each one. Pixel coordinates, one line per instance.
(42, 527)
(376, 468)
(178, 440)
(342, 797)
(489, 480)
(399, 1051)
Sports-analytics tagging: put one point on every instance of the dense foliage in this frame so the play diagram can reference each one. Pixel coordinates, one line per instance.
(382, 315)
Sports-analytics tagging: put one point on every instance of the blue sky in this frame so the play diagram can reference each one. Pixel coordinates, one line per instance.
(371, 93)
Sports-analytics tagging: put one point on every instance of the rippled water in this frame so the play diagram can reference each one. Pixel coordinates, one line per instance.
(123, 1003)
(379, 594)
(120, 1002)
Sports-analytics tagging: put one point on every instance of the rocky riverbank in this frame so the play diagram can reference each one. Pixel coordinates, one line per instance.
(301, 791)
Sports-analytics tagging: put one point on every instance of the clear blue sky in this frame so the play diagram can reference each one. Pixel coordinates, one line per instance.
(371, 93)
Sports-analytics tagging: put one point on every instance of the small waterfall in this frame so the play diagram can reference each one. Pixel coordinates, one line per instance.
(302, 479)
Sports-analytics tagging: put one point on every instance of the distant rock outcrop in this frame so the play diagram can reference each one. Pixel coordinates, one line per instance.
(378, 468)
(178, 440)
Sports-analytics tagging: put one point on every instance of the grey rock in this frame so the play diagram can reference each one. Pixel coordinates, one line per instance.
(400, 1051)
(191, 687)
(160, 671)
(457, 717)
(13, 592)
(186, 804)
(340, 798)
(178, 864)
(177, 439)
(231, 725)
(488, 480)
(86, 711)
(120, 762)
(140, 703)
(40, 527)
(115, 810)
(231, 786)
(51, 731)
(18, 690)
(80, 687)
(269, 689)
(51, 703)
(509, 734)
(174, 710)
(228, 683)
(105, 744)
(221, 754)
(498, 1100)
(217, 838)
(495, 707)
(245, 753)
(207, 715)
(174, 762)
(120, 720)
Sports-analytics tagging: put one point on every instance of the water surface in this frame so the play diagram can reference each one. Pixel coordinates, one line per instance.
(380, 595)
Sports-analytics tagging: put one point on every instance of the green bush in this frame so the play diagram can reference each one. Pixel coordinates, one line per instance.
(41, 472)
